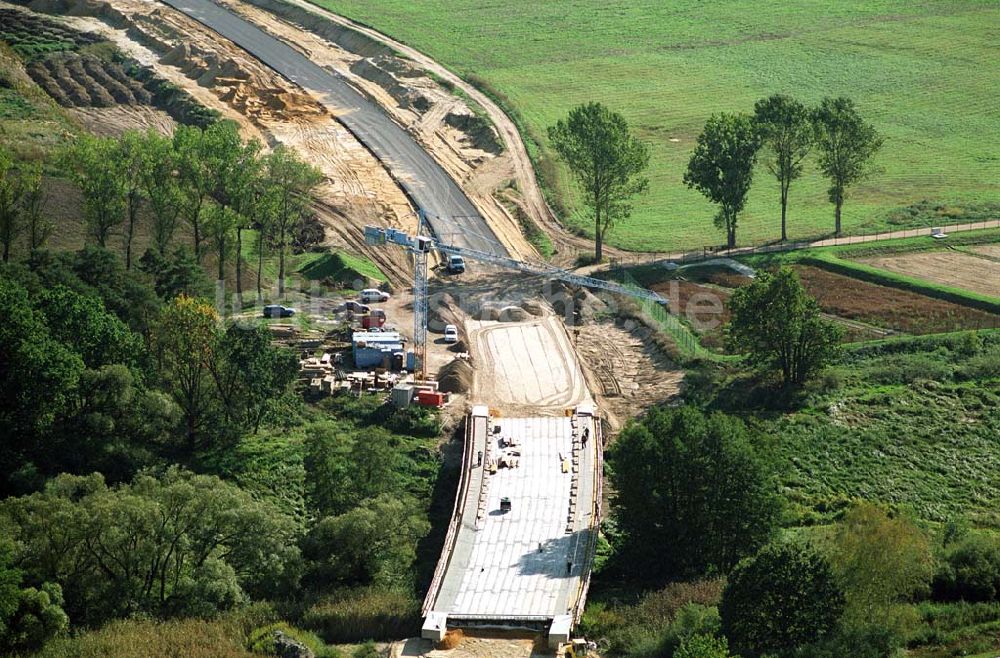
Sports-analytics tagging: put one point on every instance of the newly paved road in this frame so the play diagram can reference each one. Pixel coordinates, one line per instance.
(528, 562)
(452, 216)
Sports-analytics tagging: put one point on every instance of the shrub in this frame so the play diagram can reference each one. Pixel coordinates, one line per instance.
(363, 614)
(780, 599)
(908, 368)
(857, 643)
(970, 571)
(703, 646)
(366, 650)
(981, 366)
(261, 640)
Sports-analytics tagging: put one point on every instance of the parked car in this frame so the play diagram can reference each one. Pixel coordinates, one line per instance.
(278, 311)
(456, 264)
(370, 295)
(356, 307)
(450, 333)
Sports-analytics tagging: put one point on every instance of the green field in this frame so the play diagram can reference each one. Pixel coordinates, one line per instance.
(919, 71)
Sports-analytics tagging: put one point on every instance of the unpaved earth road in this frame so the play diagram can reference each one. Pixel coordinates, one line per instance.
(515, 159)
(449, 211)
(526, 367)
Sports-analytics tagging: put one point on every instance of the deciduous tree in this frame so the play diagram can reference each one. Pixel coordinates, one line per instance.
(881, 562)
(94, 164)
(220, 226)
(250, 372)
(131, 156)
(184, 342)
(11, 191)
(721, 166)
(783, 597)
(787, 130)
(372, 543)
(180, 544)
(290, 181)
(195, 178)
(607, 161)
(238, 169)
(779, 326)
(846, 146)
(38, 227)
(159, 177)
(691, 494)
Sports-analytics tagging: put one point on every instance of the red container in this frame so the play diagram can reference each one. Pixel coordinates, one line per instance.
(369, 321)
(430, 399)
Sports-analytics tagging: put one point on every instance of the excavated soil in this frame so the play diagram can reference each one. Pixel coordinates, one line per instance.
(456, 377)
(224, 78)
(626, 371)
(75, 80)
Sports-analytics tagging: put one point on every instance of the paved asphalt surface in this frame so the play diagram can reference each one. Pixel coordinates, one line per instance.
(451, 215)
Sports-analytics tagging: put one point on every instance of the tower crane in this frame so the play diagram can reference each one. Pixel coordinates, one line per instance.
(421, 245)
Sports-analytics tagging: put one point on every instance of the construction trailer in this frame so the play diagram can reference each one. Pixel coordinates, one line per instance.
(380, 349)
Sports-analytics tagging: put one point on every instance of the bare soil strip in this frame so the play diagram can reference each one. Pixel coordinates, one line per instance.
(950, 268)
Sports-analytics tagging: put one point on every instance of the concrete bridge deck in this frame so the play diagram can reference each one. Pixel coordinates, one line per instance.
(530, 566)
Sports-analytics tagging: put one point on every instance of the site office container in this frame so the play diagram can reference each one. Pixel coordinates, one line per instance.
(430, 398)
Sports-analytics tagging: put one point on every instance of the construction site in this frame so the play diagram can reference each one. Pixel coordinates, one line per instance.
(418, 166)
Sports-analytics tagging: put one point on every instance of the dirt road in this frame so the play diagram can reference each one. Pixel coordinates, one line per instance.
(449, 211)
(526, 366)
(531, 200)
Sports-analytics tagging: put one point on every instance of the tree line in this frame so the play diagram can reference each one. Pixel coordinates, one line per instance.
(158, 462)
(608, 161)
(210, 180)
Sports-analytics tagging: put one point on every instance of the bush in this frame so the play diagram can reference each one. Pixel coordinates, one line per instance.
(261, 640)
(857, 643)
(363, 614)
(970, 571)
(780, 599)
(981, 366)
(703, 646)
(366, 650)
(655, 626)
(908, 368)
(415, 421)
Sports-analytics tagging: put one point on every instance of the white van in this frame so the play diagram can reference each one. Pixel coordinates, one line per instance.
(370, 295)
(450, 333)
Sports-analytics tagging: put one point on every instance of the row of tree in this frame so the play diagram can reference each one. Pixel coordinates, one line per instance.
(608, 161)
(723, 161)
(212, 180)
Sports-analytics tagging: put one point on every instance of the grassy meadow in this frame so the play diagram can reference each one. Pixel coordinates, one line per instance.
(919, 71)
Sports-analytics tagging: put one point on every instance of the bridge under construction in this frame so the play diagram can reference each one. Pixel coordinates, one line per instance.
(521, 540)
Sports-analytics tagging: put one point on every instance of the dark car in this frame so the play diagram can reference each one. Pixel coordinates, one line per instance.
(278, 311)
(356, 307)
